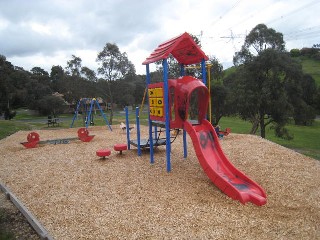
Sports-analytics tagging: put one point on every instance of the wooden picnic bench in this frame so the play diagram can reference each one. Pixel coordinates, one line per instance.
(53, 121)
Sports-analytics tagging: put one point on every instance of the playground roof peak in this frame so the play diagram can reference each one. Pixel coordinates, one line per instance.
(183, 48)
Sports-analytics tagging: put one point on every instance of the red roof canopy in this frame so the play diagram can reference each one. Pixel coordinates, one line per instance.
(183, 48)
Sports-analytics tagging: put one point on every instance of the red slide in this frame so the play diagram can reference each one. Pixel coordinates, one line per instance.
(219, 169)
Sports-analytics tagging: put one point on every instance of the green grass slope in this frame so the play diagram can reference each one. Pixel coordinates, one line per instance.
(310, 66)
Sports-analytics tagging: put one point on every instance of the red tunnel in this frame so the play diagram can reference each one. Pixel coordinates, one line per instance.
(188, 98)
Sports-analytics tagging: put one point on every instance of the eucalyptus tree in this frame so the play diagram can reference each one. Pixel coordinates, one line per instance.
(114, 65)
(261, 82)
(74, 66)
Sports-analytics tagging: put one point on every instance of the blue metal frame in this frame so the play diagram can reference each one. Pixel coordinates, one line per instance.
(127, 127)
(138, 130)
(166, 109)
(75, 113)
(203, 70)
(148, 81)
(182, 70)
(89, 114)
(102, 113)
(185, 151)
(92, 102)
(167, 117)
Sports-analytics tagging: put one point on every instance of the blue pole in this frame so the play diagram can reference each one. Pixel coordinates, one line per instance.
(182, 72)
(203, 70)
(76, 113)
(90, 110)
(127, 127)
(102, 113)
(166, 107)
(148, 81)
(155, 129)
(185, 152)
(138, 131)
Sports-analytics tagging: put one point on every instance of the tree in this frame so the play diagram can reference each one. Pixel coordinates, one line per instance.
(6, 86)
(303, 100)
(258, 40)
(40, 75)
(88, 74)
(259, 87)
(74, 66)
(57, 76)
(114, 65)
(218, 91)
(38, 71)
(51, 105)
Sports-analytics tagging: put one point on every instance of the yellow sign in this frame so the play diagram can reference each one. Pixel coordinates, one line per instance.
(156, 101)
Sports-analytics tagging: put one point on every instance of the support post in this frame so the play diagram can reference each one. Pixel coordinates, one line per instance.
(127, 127)
(209, 88)
(166, 107)
(182, 72)
(148, 81)
(75, 113)
(138, 130)
(90, 112)
(103, 115)
(203, 71)
(184, 133)
(185, 152)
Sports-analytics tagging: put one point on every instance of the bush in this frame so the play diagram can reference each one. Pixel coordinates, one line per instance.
(282, 132)
(295, 52)
(310, 52)
(50, 105)
(8, 115)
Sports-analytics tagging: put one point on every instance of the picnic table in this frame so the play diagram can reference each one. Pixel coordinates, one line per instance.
(53, 121)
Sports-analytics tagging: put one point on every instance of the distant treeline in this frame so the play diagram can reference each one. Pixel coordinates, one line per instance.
(313, 52)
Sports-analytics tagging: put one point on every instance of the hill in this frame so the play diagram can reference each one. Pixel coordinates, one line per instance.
(309, 65)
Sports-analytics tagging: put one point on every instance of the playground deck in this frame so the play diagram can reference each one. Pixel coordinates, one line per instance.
(76, 195)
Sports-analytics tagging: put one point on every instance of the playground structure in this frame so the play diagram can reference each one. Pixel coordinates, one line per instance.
(182, 103)
(158, 130)
(87, 106)
(33, 139)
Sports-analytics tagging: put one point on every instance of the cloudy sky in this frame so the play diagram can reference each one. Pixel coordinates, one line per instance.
(44, 33)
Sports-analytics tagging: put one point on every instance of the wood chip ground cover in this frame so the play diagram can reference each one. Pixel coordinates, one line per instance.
(77, 195)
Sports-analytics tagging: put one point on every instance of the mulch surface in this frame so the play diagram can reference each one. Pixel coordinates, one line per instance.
(77, 195)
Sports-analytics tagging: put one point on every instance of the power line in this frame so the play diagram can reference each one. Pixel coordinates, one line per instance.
(294, 11)
(310, 32)
(305, 36)
(302, 30)
(225, 13)
(250, 16)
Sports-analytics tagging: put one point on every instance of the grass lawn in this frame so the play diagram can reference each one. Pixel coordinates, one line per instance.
(10, 127)
(306, 138)
(311, 66)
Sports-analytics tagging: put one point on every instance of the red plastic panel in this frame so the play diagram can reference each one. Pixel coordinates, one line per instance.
(33, 137)
(83, 132)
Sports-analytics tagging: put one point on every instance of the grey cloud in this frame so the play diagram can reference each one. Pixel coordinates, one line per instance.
(92, 24)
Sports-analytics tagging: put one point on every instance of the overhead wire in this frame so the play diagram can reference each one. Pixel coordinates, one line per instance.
(294, 11)
(225, 13)
(310, 32)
